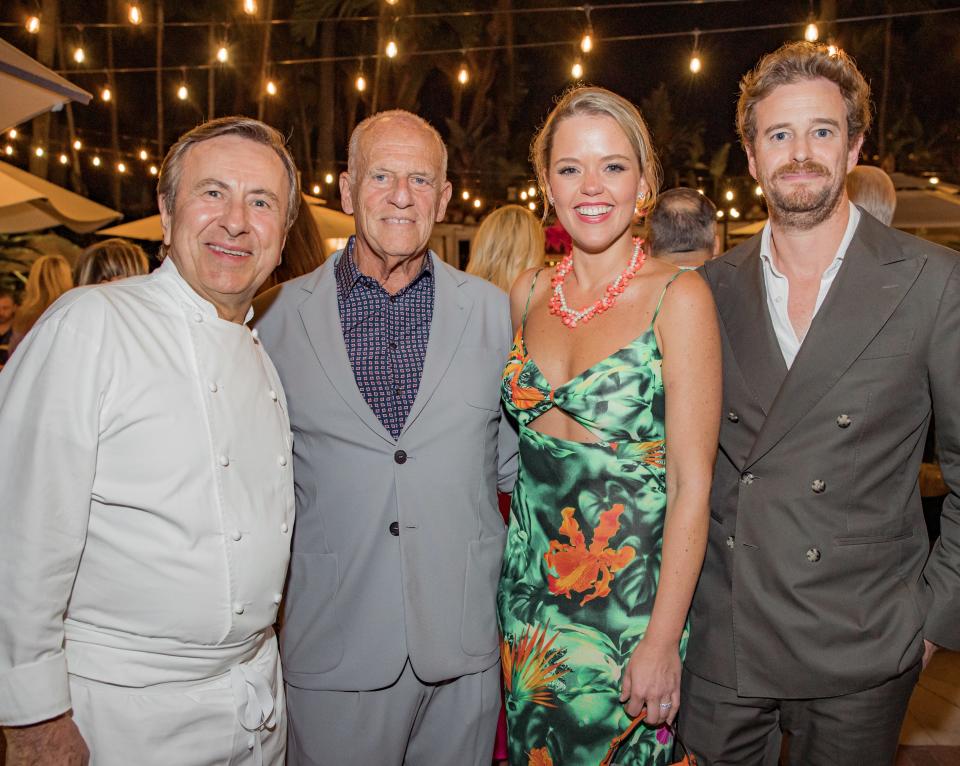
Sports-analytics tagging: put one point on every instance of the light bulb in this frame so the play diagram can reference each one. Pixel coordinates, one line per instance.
(77, 144)
(465, 194)
(719, 214)
(701, 191)
(96, 161)
(250, 7)
(832, 50)
(271, 88)
(577, 71)
(391, 49)
(811, 33)
(154, 170)
(328, 178)
(463, 76)
(79, 55)
(523, 195)
(695, 64)
(64, 159)
(477, 202)
(728, 195)
(758, 191)
(223, 55)
(532, 191)
(8, 150)
(934, 180)
(121, 167)
(182, 93)
(13, 133)
(134, 14)
(361, 83)
(38, 151)
(586, 44)
(532, 205)
(143, 154)
(316, 188)
(33, 24)
(106, 94)
(734, 213)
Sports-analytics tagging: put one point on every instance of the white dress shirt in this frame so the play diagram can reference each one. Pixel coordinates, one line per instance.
(778, 287)
(147, 496)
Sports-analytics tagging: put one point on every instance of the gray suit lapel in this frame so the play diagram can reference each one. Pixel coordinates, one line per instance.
(742, 303)
(321, 320)
(451, 309)
(873, 280)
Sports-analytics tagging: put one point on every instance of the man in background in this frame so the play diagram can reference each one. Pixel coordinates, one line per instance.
(872, 189)
(682, 228)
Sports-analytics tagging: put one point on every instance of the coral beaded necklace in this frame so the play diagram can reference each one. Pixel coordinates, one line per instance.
(571, 317)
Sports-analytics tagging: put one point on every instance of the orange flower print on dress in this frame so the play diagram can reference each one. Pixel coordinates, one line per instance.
(523, 397)
(530, 665)
(580, 568)
(540, 757)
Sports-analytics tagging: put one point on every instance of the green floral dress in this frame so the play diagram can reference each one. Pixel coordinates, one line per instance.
(582, 558)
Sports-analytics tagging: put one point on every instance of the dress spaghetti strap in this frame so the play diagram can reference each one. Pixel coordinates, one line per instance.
(523, 321)
(656, 313)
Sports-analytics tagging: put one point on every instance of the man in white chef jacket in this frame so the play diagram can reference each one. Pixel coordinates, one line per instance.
(147, 491)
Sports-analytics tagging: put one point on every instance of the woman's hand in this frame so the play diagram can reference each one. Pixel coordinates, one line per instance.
(652, 680)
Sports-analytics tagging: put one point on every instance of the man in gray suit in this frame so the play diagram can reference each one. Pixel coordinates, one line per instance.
(391, 361)
(817, 605)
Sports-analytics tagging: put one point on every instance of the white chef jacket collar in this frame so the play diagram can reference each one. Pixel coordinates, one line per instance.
(168, 269)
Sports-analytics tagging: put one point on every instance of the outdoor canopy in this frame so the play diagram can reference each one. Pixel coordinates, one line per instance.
(29, 203)
(28, 88)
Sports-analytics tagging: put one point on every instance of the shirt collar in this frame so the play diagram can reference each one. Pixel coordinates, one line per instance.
(168, 271)
(766, 240)
(347, 273)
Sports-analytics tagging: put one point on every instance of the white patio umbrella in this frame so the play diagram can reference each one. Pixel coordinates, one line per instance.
(28, 88)
(29, 203)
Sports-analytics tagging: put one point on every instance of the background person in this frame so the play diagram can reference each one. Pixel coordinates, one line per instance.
(872, 189)
(508, 242)
(682, 228)
(109, 260)
(614, 378)
(49, 278)
(8, 310)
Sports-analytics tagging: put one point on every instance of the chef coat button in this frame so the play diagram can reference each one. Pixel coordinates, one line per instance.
(730, 541)
(213, 387)
(733, 417)
(198, 317)
(273, 394)
(251, 742)
(224, 461)
(747, 478)
(284, 528)
(818, 485)
(400, 457)
(277, 598)
(237, 535)
(844, 421)
(813, 555)
(238, 608)
(282, 460)
(395, 529)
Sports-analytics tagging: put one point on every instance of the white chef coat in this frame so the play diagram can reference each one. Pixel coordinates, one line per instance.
(146, 491)
(778, 287)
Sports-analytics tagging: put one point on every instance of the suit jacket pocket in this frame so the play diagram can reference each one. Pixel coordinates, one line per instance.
(478, 629)
(480, 371)
(895, 343)
(310, 641)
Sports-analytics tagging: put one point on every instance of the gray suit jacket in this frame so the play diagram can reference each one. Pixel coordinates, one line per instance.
(359, 599)
(815, 582)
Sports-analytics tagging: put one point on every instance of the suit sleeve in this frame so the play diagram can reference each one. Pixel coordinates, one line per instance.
(942, 572)
(49, 404)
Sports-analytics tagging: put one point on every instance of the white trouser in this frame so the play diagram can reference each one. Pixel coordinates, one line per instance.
(236, 718)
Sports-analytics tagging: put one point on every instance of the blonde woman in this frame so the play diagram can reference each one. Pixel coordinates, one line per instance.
(509, 241)
(614, 379)
(109, 261)
(49, 278)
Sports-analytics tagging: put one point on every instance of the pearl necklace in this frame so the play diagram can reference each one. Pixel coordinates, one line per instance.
(571, 317)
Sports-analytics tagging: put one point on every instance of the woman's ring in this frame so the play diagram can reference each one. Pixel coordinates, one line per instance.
(666, 705)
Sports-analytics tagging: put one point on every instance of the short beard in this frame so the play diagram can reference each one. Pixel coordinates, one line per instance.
(803, 210)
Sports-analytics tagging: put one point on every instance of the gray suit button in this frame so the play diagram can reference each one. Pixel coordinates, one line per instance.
(395, 529)
(813, 555)
(746, 478)
(733, 417)
(730, 541)
(818, 485)
(844, 421)
(400, 457)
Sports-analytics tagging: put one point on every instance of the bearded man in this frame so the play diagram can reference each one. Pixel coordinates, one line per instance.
(817, 605)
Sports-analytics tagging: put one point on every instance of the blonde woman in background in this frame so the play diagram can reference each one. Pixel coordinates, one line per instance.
(49, 278)
(509, 241)
(109, 261)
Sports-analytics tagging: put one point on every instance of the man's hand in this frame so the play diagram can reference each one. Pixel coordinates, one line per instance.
(929, 648)
(57, 741)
